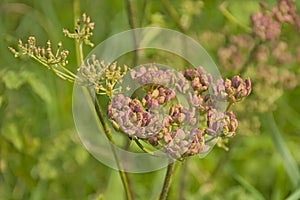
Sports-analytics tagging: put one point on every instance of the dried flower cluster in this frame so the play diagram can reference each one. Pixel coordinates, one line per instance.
(178, 112)
(267, 56)
(160, 119)
(83, 30)
(53, 60)
(234, 56)
(267, 24)
(44, 54)
(100, 76)
(56, 61)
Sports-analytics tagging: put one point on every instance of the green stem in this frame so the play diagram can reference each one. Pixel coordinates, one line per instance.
(182, 179)
(132, 24)
(71, 74)
(173, 14)
(228, 107)
(251, 54)
(79, 58)
(176, 18)
(107, 132)
(167, 182)
(142, 147)
(144, 7)
(78, 44)
(230, 17)
(55, 71)
(80, 52)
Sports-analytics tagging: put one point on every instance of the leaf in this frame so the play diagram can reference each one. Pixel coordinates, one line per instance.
(289, 162)
(295, 195)
(100, 197)
(250, 188)
(37, 86)
(13, 80)
(39, 191)
(114, 188)
(1, 101)
(11, 133)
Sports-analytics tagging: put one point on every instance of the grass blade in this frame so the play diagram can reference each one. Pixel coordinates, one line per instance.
(295, 195)
(289, 162)
(250, 188)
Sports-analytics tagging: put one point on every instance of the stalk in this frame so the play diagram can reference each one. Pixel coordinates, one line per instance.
(132, 24)
(107, 131)
(167, 182)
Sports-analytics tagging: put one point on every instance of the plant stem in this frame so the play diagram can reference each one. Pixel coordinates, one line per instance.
(230, 17)
(107, 132)
(132, 24)
(182, 179)
(250, 57)
(79, 59)
(167, 182)
(142, 147)
(173, 14)
(78, 44)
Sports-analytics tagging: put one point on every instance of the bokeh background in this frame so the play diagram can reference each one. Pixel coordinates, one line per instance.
(41, 156)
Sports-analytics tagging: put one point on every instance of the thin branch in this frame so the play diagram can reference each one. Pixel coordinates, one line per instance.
(173, 14)
(167, 182)
(132, 24)
(78, 46)
(182, 180)
(230, 17)
(142, 147)
(79, 57)
(107, 132)
(250, 56)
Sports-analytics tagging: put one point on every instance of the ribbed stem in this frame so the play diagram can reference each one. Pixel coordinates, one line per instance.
(167, 182)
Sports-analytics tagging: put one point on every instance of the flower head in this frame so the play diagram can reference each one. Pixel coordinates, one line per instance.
(181, 131)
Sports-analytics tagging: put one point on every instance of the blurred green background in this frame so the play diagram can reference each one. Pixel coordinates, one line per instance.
(41, 156)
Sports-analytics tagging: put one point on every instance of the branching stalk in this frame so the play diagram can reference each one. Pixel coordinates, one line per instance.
(79, 57)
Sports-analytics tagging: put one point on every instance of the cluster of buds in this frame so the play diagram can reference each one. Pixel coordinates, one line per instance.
(267, 24)
(224, 124)
(181, 130)
(157, 97)
(45, 55)
(234, 56)
(199, 78)
(83, 30)
(129, 116)
(236, 89)
(56, 60)
(264, 54)
(281, 53)
(53, 60)
(100, 76)
(285, 12)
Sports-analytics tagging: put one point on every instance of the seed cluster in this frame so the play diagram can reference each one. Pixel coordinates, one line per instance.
(43, 54)
(269, 54)
(100, 76)
(267, 24)
(162, 120)
(83, 30)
